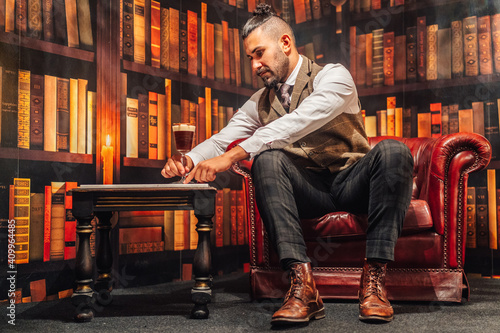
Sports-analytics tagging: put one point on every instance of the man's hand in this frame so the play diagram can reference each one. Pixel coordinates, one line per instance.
(206, 171)
(174, 167)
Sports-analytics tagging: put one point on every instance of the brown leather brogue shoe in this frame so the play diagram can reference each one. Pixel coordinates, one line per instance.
(302, 302)
(373, 302)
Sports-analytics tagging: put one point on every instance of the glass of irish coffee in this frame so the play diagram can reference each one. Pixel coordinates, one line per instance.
(184, 137)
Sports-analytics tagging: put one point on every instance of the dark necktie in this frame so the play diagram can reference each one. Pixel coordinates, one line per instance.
(285, 93)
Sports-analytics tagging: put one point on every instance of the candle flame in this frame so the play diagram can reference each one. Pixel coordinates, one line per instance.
(108, 140)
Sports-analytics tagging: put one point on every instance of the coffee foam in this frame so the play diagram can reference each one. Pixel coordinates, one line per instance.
(183, 127)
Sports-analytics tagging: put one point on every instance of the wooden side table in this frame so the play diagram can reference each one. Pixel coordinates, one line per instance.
(102, 201)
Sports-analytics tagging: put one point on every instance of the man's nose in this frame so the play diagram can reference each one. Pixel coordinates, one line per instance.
(256, 65)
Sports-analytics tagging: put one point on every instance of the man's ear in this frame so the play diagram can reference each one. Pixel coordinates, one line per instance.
(286, 43)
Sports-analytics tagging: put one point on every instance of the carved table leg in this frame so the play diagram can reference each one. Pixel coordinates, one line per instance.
(201, 294)
(82, 296)
(104, 260)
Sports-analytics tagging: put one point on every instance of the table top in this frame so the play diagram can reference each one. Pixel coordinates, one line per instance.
(143, 187)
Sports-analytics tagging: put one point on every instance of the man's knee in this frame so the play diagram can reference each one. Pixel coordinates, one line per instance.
(394, 152)
(270, 161)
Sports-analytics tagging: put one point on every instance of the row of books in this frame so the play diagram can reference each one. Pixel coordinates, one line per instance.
(184, 42)
(66, 22)
(45, 229)
(437, 120)
(483, 213)
(45, 112)
(358, 6)
(37, 293)
(154, 231)
(150, 118)
(470, 47)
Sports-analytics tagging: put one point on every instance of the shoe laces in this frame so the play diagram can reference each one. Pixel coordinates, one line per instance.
(297, 286)
(373, 280)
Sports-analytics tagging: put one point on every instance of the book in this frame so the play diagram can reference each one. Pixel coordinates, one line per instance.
(187, 272)
(70, 223)
(183, 43)
(234, 217)
(219, 219)
(226, 53)
(240, 216)
(361, 60)
(91, 111)
(203, 40)
(37, 207)
(174, 39)
(471, 218)
(381, 122)
(153, 126)
(218, 53)
(491, 127)
(435, 109)
(210, 51)
(168, 118)
(139, 32)
(424, 125)
(457, 47)
(155, 33)
(50, 113)
(495, 36)
(59, 19)
(22, 196)
(63, 121)
(353, 52)
(9, 114)
(470, 46)
(453, 119)
(400, 58)
(226, 216)
(192, 42)
(371, 126)
(398, 122)
(85, 25)
(193, 234)
(444, 54)
(48, 23)
(73, 115)
(432, 52)
(391, 113)
(465, 119)
(378, 57)
(23, 113)
(179, 230)
(445, 123)
(9, 15)
(478, 117)
(34, 19)
(72, 23)
(482, 224)
(162, 129)
(21, 17)
(47, 219)
(38, 290)
(484, 45)
(299, 7)
(421, 49)
(388, 63)
(128, 30)
(82, 116)
(143, 122)
(58, 218)
(492, 208)
(232, 61)
(411, 54)
(237, 56)
(168, 230)
(164, 38)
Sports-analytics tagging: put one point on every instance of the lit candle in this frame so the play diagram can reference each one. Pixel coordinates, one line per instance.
(107, 162)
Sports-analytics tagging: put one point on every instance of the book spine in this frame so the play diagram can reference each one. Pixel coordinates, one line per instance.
(203, 40)
(35, 22)
(168, 117)
(353, 52)
(47, 219)
(388, 58)
(139, 32)
(164, 38)
(23, 119)
(82, 115)
(91, 111)
(9, 108)
(162, 129)
(21, 17)
(143, 126)
(491, 127)
(183, 43)
(226, 215)
(391, 116)
(424, 125)
(435, 120)
(85, 25)
(407, 122)
(210, 51)
(495, 36)
(219, 219)
(421, 49)
(226, 53)
(411, 54)
(234, 217)
(155, 33)
(72, 23)
(22, 196)
(492, 208)
(470, 46)
(400, 58)
(48, 21)
(299, 7)
(478, 120)
(444, 54)
(153, 126)
(215, 120)
(445, 120)
(457, 47)
(431, 61)
(378, 57)
(36, 112)
(471, 218)
(482, 217)
(70, 223)
(192, 43)
(240, 216)
(174, 39)
(62, 125)
(128, 30)
(361, 60)
(465, 121)
(73, 115)
(484, 45)
(58, 217)
(59, 19)
(218, 53)
(237, 56)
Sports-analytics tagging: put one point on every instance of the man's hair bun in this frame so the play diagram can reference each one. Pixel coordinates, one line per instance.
(264, 10)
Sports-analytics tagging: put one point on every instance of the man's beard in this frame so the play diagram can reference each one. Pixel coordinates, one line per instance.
(281, 71)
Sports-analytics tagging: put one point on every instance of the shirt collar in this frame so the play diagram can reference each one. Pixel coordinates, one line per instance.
(293, 76)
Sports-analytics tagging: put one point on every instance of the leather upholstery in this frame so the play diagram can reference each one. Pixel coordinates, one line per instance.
(429, 254)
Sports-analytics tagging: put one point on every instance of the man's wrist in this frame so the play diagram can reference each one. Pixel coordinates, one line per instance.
(237, 154)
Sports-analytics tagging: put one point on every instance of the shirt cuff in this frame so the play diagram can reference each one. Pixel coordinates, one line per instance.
(195, 157)
(254, 146)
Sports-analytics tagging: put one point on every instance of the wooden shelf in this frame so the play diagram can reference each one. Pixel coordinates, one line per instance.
(186, 78)
(40, 155)
(143, 163)
(417, 5)
(428, 85)
(40, 45)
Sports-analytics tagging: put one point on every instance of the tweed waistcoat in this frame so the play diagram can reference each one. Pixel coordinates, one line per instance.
(334, 146)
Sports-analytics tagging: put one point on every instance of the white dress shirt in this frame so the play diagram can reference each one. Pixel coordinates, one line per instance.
(334, 92)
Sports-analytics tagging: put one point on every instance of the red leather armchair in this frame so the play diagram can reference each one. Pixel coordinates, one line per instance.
(429, 255)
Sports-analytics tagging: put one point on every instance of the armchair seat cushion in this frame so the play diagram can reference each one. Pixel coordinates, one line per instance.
(346, 226)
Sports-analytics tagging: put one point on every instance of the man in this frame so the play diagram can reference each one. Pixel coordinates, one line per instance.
(311, 157)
